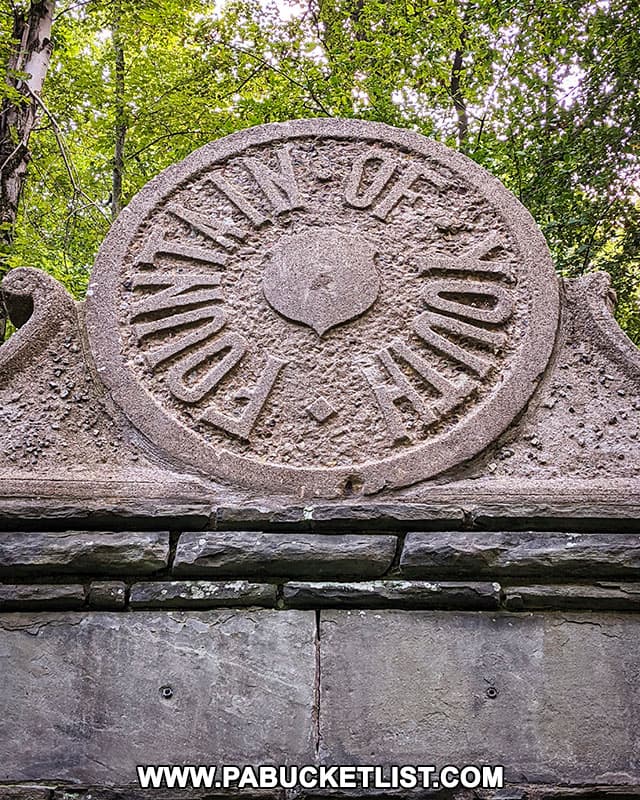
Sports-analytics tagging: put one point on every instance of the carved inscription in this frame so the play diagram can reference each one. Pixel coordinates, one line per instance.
(327, 303)
(383, 194)
(181, 303)
(451, 315)
(323, 278)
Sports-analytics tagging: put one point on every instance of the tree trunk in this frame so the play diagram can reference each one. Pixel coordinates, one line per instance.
(458, 97)
(120, 118)
(31, 55)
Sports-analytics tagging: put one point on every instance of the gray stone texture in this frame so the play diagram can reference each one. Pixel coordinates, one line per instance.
(553, 697)
(341, 516)
(53, 417)
(107, 595)
(491, 555)
(584, 422)
(601, 597)
(82, 693)
(201, 594)
(39, 596)
(400, 594)
(250, 555)
(134, 792)
(63, 443)
(83, 552)
(313, 429)
(26, 792)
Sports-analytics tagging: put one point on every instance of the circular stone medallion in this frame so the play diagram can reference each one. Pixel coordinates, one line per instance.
(322, 307)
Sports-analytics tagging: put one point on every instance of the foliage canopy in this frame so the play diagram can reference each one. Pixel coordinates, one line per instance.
(544, 95)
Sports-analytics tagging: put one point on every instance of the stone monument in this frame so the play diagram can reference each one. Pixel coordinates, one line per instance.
(325, 377)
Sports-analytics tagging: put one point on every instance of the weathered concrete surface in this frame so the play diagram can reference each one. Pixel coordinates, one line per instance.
(416, 687)
(201, 594)
(584, 423)
(28, 598)
(600, 597)
(82, 701)
(382, 594)
(249, 555)
(87, 551)
(552, 555)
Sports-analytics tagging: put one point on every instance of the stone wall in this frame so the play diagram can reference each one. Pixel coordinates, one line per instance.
(405, 646)
(328, 469)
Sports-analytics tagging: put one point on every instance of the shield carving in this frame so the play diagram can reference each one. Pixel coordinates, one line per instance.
(322, 278)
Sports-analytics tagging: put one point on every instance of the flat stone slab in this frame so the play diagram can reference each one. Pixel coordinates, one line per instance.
(491, 555)
(201, 594)
(82, 697)
(381, 594)
(553, 697)
(602, 597)
(27, 793)
(40, 596)
(83, 551)
(244, 554)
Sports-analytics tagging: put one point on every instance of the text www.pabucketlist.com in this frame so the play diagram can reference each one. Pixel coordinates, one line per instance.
(320, 777)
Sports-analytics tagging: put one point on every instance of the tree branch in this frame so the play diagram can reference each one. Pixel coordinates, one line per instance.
(66, 160)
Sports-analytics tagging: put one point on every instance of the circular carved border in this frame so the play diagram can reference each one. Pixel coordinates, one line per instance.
(466, 439)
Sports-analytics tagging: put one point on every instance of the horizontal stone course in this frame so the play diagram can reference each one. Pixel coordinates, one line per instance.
(341, 517)
(518, 791)
(27, 793)
(601, 597)
(83, 552)
(382, 594)
(584, 510)
(494, 555)
(40, 596)
(134, 792)
(245, 554)
(201, 594)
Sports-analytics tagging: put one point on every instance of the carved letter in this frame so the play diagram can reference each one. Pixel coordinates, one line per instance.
(181, 292)
(218, 234)
(254, 215)
(242, 426)
(470, 261)
(402, 189)
(236, 346)
(158, 244)
(428, 321)
(500, 311)
(385, 171)
(401, 389)
(388, 395)
(450, 394)
(280, 188)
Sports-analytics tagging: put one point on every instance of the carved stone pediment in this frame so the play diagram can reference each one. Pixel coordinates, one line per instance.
(320, 308)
